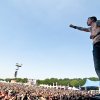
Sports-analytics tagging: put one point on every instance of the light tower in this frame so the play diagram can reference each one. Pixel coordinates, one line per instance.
(16, 71)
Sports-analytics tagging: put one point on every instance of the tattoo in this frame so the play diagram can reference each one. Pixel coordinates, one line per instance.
(82, 29)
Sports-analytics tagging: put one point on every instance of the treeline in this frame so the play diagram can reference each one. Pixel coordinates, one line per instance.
(22, 80)
(65, 82)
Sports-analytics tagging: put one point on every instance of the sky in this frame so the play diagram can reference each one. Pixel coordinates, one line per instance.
(36, 33)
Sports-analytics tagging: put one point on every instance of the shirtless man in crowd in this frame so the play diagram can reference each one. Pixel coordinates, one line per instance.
(94, 29)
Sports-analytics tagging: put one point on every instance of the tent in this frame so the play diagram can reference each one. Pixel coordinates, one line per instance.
(90, 83)
(69, 88)
(74, 88)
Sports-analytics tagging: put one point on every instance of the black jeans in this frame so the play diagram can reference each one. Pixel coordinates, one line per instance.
(96, 57)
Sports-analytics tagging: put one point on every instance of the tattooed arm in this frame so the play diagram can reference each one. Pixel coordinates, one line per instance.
(80, 28)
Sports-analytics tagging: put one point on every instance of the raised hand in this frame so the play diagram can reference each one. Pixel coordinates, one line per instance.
(72, 26)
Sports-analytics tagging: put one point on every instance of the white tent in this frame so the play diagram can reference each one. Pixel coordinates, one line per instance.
(74, 88)
(69, 88)
(89, 83)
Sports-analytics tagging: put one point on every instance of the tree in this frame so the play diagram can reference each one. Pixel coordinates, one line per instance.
(74, 82)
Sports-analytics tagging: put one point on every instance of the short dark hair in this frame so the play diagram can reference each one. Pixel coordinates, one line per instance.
(93, 18)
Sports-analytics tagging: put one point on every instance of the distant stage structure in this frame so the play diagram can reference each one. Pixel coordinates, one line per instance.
(32, 82)
(16, 71)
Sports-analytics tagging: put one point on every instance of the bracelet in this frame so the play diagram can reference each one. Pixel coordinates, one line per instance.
(75, 27)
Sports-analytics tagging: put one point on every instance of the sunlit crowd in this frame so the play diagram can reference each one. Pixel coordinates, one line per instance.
(9, 91)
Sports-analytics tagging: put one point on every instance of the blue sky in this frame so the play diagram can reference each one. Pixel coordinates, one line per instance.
(36, 34)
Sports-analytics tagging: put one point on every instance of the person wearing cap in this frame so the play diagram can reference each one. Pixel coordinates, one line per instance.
(94, 29)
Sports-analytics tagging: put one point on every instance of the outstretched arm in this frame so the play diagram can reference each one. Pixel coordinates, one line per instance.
(80, 28)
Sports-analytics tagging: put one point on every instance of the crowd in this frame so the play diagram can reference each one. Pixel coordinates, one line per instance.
(9, 91)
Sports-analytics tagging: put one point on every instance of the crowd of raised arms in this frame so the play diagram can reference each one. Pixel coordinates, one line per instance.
(9, 91)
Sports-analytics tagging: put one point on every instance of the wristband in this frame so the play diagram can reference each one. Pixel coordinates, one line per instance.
(74, 27)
